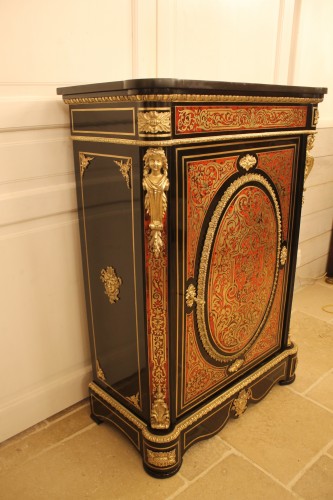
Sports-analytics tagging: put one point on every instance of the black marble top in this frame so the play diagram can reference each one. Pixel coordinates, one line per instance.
(174, 86)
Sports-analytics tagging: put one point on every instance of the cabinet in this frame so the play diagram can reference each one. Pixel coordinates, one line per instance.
(189, 198)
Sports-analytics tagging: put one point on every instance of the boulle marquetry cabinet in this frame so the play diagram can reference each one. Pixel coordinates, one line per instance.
(189, 197)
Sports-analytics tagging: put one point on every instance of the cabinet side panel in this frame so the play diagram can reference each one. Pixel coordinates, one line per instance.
(110, 208)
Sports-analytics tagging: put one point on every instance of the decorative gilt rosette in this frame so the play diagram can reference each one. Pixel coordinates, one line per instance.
(239, 269)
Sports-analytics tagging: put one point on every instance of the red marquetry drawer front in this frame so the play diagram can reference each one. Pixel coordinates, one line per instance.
(203, 119)
(238, 204)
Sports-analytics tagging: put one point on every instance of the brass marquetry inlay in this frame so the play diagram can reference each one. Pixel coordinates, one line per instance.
(100, 373)
(161, 458)
(125, 170)
(240, 403)
(283, 255)
(111, 283)
(153, 122)
(197, 415)
(191, 98)
(159, 416)
(201, 119)
(205, 266)
(156, 183)
(248, 162)
(84, 162)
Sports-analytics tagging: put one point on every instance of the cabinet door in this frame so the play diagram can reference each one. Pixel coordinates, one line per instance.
(237, 204)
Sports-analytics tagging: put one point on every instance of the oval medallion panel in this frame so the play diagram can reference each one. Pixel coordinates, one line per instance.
(239, 267)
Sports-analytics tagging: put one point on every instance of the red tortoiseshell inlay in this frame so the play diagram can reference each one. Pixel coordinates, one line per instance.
(279, 166)
(205, 178)
(270, 336)
(202, 377)
(206, 119)
(242, 269)
(157, 313)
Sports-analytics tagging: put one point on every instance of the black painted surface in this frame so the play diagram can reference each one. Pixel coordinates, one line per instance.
(170, 85)
(110, 217)
(104, 120)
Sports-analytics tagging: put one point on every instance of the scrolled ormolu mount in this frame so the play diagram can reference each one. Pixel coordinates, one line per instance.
(111, 283)
(125, 170)
(84, 162)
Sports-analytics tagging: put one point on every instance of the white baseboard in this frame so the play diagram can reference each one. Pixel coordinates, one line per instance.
(29, 408)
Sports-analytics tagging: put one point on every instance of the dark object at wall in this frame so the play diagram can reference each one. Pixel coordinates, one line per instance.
(329, 268)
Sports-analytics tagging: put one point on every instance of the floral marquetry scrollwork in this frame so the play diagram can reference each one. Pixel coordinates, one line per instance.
(238, 276)
(156, 183)
(200, 119)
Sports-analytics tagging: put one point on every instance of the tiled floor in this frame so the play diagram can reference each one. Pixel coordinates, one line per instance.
(279, 449)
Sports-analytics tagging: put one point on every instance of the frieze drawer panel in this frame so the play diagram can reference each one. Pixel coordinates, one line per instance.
(189, 198)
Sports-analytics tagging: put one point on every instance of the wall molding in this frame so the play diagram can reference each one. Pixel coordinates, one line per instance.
(27, 113)
(37, 203)
(50, 397)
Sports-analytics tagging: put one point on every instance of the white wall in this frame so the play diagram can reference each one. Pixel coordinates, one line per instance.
(313, 62)
(44, 355)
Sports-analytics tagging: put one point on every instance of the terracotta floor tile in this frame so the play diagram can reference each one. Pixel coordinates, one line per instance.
(282, 433)
(99, 463)
(235, 478)
(315, 341)
(317, 482)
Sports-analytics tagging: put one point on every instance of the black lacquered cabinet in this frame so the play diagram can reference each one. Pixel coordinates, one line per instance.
(189, 196)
